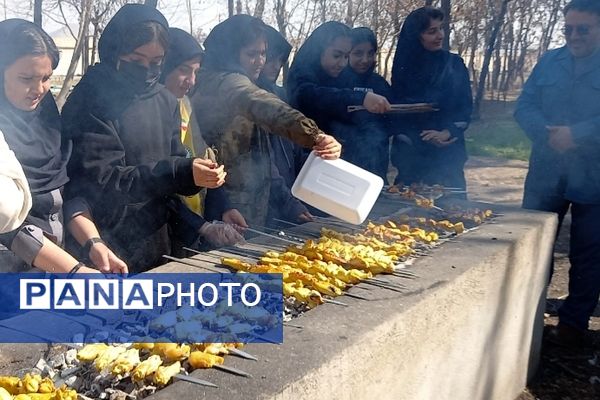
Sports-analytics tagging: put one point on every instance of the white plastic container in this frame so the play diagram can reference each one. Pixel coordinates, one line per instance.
(337, 187)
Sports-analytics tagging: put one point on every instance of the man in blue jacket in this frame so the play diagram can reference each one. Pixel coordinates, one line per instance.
(559, 109)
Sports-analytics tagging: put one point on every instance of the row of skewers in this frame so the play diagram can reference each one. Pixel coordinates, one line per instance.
(314, 270)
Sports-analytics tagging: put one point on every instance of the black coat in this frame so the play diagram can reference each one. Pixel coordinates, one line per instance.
(128, 161)
(313, 92)
(439, 77)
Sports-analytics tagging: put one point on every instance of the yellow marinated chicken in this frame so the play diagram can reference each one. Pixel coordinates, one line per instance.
(62, 393)
(30, 384)
(11, 384)
(202, 360)
(143, 346)
(107, 357)
(163, 375)
(46, 386)
(312, 298)
(146, 368)
(126, 362)
(172, 351)
(91, 351)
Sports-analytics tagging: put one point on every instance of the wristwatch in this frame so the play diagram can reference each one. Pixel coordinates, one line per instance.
(87, 247)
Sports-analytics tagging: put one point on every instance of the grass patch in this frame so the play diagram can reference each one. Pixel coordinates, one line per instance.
(497, 135)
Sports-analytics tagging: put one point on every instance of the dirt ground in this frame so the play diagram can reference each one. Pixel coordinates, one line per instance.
(563, 374)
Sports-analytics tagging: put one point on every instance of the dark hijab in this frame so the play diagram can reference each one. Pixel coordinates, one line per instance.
(226, 40)
(364, 35)
(111, 88)
(277, 48)
(277, 45)
(306, 66)
(182, 47)
(415, 67)
(34, 136)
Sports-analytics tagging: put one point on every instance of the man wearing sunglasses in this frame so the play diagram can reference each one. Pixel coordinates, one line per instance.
(559, 110)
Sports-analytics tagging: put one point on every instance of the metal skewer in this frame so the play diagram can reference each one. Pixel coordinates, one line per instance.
(242, 354)
(292, 325)
(271, 236)
(191, 264)
(278, 232)
(338, 303)
(197, 381)
(232, 370)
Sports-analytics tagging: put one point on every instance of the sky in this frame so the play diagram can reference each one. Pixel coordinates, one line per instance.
(206, 13)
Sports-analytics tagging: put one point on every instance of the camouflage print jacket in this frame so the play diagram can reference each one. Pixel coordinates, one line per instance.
(234, 116)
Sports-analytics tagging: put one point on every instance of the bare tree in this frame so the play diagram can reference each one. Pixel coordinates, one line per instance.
(84, 25)
(491, 43)
(349, 20)
(259, 9)
(447, 10)
(37, 12)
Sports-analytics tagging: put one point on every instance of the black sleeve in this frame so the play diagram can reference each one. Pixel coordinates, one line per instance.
(98, 166)
(216, 203)
(458, 117)
(314, 100)
(184, 223)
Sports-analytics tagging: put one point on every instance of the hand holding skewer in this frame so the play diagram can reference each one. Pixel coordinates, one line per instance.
(235, 218)
(208, 174)
(376, 104)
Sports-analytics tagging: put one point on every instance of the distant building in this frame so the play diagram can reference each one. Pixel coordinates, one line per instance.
(66, 45)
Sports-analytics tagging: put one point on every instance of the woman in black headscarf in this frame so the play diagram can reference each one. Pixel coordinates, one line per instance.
(360, 75)
(128, 161)
(182, 64)
(314, 87)
(235, 114)
(424, 72)
(30, 122)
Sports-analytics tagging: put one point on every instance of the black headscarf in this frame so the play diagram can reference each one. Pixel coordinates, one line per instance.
(277, 45)
(277, 48)
(225, 41)
(112, 92)
(182, 47)
(306, 66)
(34, 136)
(111, 41)
(415, 67)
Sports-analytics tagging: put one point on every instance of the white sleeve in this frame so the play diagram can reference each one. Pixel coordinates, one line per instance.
(15, 198)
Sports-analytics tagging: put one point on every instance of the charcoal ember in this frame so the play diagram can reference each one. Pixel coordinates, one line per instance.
(116, 394)
(46, 370)
(58, 361)
(73, 382)
(65, 373)
(71, 357)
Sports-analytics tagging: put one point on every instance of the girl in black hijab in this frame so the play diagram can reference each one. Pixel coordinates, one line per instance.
(235, 116)
(424, 72)
(30, 122)
(128, 160)
(314, 86)
(182, 64)
(360, 75)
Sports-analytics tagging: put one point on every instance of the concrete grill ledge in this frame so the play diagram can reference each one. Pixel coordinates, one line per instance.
(469, 327)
